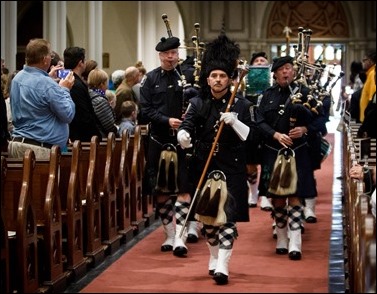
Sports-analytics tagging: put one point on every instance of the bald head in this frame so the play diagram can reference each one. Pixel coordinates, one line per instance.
(131, 75)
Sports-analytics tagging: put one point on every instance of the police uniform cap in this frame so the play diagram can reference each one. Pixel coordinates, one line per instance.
(256, 55)
(166, 44)
(281, 61)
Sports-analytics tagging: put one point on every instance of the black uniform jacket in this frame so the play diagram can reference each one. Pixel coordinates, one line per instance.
(202, 122)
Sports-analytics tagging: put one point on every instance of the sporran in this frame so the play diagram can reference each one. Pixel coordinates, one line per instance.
(210, 207)
(167, 170)
(283, 181)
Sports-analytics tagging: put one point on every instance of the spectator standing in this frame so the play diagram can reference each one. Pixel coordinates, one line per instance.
(89, 66)
(368, 126)
(124, 92)
(5, 136)
(116, 78)
(142, 71)
(369, 88)
(7, 100)
(41, 108)
(111, 98)
(354, 107)
(98, 80)
(84, 125)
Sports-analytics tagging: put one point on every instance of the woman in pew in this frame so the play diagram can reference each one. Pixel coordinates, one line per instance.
(41, 108)
(97, 82)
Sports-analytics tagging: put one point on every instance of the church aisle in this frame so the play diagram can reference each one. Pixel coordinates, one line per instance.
(254, 266)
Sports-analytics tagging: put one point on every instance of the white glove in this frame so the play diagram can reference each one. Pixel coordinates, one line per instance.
(230, 118)
(184, 139)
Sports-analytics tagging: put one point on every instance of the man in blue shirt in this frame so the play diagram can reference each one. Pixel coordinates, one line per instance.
(41, 108)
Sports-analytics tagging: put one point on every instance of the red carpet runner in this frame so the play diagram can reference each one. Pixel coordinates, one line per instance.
(254, 266)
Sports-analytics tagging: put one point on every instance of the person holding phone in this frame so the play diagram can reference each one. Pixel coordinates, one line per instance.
(41, 108)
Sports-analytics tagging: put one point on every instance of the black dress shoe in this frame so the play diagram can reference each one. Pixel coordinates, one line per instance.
(252, 205)
(311, 220)
(180, 251)
(267, 208)
(295, 255)
(191, 238)
(165, 248)
(281, 251)
(220, 279)
(211, 272)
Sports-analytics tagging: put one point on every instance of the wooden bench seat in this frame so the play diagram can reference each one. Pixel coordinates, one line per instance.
(106, 184)
(4, 257)
(137, 172)
(122, 153)
(72, 212)
(19, 217)
(91, 202)
(46, 201)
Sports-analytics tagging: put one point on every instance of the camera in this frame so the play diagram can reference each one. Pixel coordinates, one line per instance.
(62, 73)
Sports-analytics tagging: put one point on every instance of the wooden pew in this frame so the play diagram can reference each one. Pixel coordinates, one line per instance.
(49, 223)
(72, 212)
(137, 169)
(106, 180)
(4, 247)
(46, 201)
(366, 233)
(91, 201)
(20, 218)
(148, 205)
(359, 227)
(123, 151)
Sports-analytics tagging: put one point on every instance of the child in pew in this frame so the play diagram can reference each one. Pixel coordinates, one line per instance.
(129, 110)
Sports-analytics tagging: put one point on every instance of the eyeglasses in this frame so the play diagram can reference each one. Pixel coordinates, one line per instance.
(365, 59)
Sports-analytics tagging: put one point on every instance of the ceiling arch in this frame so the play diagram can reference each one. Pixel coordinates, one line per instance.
(326, 19)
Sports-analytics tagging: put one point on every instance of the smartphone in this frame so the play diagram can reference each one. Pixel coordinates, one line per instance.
(62, 73)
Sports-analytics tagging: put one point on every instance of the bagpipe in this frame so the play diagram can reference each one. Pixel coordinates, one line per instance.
(319, 98)
(310, 75)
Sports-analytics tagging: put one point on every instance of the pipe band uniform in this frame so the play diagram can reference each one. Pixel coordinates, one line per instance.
(291, 113)
(162, 105)
(218, 122)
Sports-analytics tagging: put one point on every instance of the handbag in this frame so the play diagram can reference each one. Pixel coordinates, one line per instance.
(284, 176)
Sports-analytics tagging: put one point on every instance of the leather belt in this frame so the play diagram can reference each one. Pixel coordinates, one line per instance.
(32, 142)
